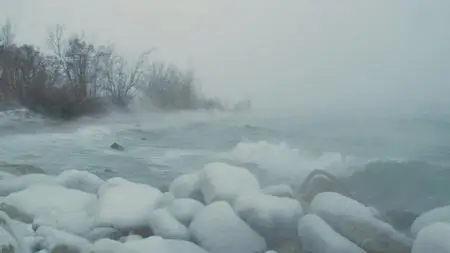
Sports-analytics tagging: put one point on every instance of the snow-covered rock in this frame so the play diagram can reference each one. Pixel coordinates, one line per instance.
(12, 235)
(109, 246)
(219, 230)
(165, 225)
(14, 184)
(7, 242)
(60, 241)
(56, 206)
(126, 205)
(160, 245)
(166, 199)
(281, 190)
(433, 238)
(184, 210)
(80, 180)
(272, 217)
(440, 214)
(187, 186)
(356, 222)
(223, 182)
(318, 237)
(99, 233)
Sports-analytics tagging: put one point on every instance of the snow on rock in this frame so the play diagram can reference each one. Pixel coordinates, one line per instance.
(10, 185)
(56, 206)
(60, 241)
(223, 182)
(7, 242)
(184, 210)
(160, 245)
(108, 246)
(80, 180)
(272, 217)
(433, 238)
(219, 230)
(125, 205)
(186, 186)
(281, 190)
(318, 237)
(12, 235)
(166, 199)
(357, 223)
(165, 225)
(440, 214)
(102, 233)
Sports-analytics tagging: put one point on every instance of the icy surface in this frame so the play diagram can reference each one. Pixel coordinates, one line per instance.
(318, 237)
(281, 190)
(223, 182)
(219, 230)
(272, 217)
(56, 206)
(10, 185)
(186, 186)
(357, 223)
(184, 210)
(124, 204)
(433, 239)
(339, 205)
(80, 180)
(165, 225)
(60, 241)
(441, 214)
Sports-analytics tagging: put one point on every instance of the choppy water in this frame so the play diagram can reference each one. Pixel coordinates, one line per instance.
(391, 162)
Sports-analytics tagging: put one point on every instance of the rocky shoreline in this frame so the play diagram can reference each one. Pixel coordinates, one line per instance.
(219, 209)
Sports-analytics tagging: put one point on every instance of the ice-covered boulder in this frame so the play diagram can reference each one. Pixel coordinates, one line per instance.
(126, 205)
(160, 245)
(187, 186)
(60, 241)
(56, 206)
(8, 243)
(356, 222)
(219, 230)
(272, 217)
(166, 199)
(318, 237)
(80, 180)
(440, 214)
(13, 235)
(165, 225)
(109, 246)
(433, 238)
(281, 190)
(223, 182)
(99, 233)
(184, 210)
(14, 184)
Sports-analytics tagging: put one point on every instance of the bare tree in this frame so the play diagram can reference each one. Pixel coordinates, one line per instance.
(121, 79)
(6, 34)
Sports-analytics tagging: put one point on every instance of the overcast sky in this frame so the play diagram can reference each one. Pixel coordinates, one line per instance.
(289, 52)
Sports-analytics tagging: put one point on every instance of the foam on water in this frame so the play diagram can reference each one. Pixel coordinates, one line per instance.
(280, 158)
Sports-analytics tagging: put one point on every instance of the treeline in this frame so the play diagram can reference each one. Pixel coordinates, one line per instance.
(77, 78)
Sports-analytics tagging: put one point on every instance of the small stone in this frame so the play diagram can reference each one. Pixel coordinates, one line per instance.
(117, 146)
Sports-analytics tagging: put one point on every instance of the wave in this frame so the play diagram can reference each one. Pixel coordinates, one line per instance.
(282, 160)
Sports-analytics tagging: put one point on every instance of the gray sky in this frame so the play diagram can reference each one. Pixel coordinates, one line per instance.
(289, 53)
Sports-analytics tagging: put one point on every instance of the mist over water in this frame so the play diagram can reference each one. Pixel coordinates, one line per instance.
(358, 88)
